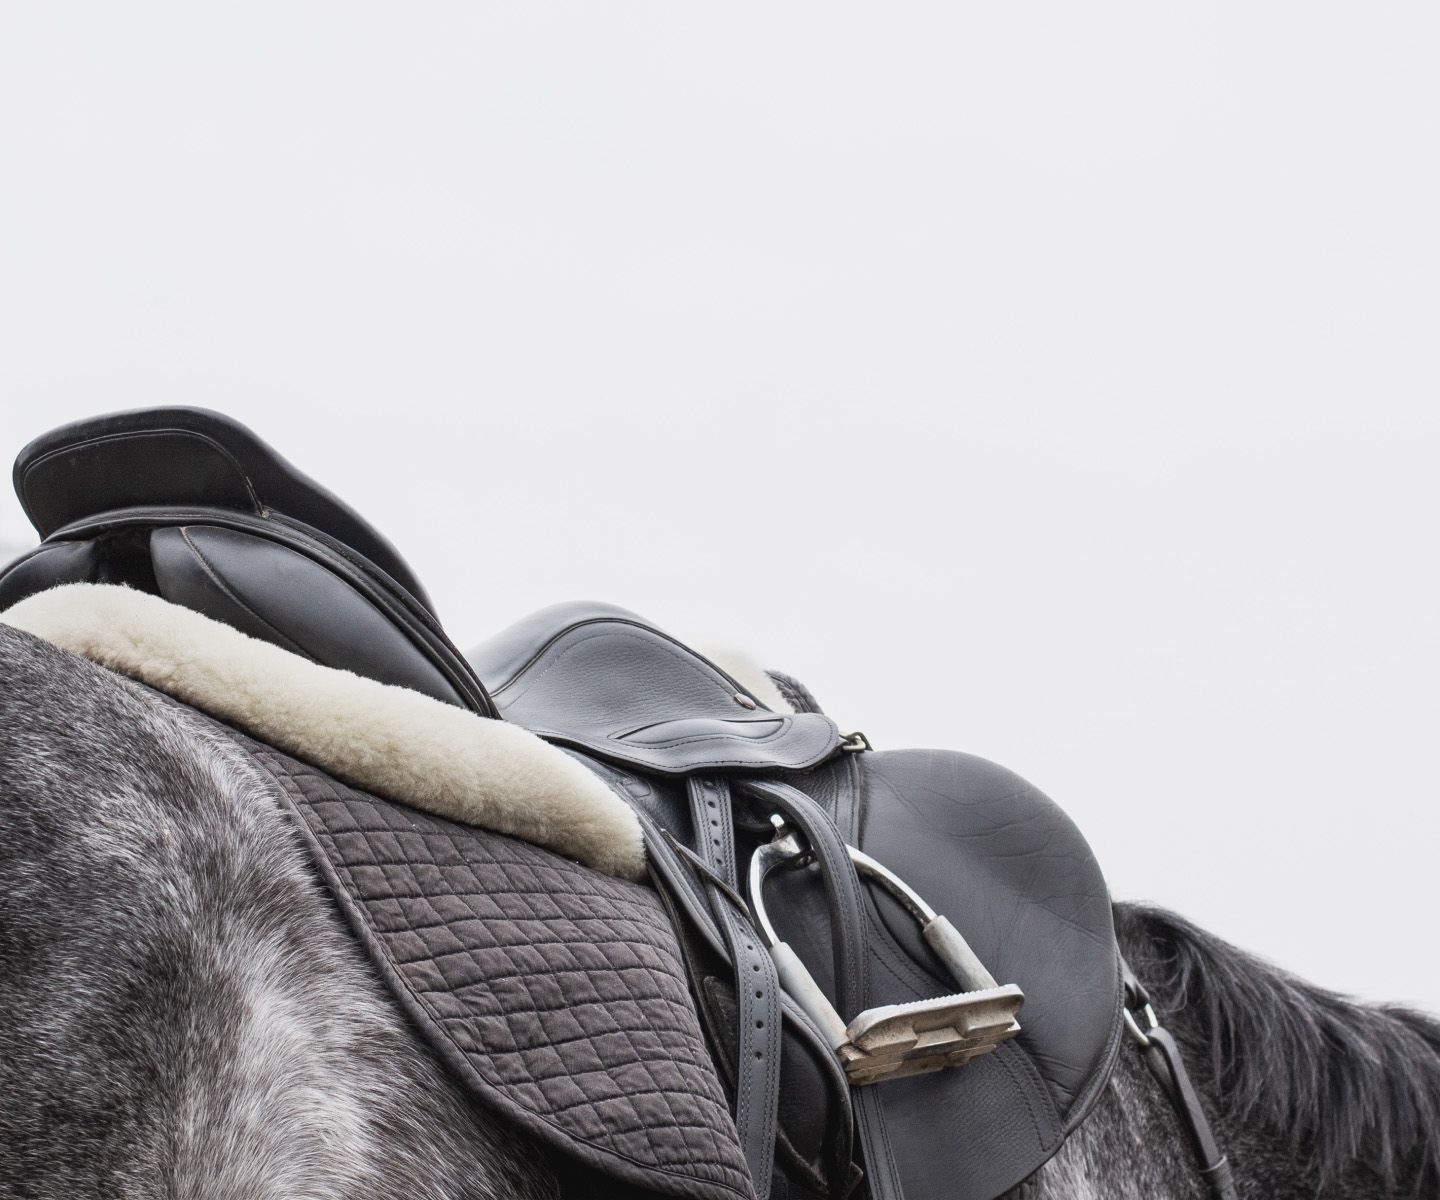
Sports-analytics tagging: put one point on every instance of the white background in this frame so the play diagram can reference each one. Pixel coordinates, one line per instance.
(1056, 382)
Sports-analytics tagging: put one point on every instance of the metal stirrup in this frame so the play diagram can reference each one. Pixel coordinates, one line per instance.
(893, 1040)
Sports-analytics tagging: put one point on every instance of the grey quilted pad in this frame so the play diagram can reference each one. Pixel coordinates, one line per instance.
(556, 994)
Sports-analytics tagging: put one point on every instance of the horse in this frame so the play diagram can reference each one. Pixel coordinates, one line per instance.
(184, 1013)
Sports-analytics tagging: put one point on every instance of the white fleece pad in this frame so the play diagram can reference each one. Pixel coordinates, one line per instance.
(389, 740)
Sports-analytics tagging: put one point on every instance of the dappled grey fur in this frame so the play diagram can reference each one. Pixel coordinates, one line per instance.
(1129, 1148)
(181, 1012)
(1312, 1095)
(1347, 1092)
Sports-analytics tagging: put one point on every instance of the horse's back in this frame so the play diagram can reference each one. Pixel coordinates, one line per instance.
(185, 1014)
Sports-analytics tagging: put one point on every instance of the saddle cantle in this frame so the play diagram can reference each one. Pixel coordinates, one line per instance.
(192, 506)
(817, 1062)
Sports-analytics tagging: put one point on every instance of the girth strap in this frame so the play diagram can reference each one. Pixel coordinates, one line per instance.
(675, 871)
(757, 989)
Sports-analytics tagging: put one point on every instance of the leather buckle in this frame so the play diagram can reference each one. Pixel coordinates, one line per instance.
(895, 1040)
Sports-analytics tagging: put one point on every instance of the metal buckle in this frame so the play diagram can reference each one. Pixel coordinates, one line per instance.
(893, 1040)
(1132, 1015)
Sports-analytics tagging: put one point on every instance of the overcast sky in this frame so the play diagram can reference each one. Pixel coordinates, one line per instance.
(1055, 382)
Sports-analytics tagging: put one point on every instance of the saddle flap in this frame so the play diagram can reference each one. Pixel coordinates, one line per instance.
(603, 680)
(1015, 876)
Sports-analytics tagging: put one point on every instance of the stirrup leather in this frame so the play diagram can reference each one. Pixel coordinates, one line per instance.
(893, 1040)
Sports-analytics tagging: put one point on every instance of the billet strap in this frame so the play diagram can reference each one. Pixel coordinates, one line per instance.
(757, 989)
(1163, 1057)
(675, 870)
(846, 906)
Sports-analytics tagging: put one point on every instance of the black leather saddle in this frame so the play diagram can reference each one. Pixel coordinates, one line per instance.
(903, 961)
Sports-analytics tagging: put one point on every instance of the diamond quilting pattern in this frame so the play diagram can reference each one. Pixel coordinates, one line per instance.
(557, 994)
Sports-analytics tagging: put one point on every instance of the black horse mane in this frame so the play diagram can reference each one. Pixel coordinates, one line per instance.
(1350, 1084)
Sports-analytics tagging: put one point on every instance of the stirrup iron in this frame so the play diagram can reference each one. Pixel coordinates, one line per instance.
(893, 1040)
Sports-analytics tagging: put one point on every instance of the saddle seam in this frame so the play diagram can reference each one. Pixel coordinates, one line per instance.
(784, 723)
(1083, 1102)
(412, 619)
(629, 629)
(1005, 1057)
(612, 750)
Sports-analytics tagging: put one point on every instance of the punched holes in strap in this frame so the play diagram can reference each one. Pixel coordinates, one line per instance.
(757, 988)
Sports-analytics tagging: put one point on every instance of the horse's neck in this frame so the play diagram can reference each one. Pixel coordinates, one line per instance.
(1335, 1101)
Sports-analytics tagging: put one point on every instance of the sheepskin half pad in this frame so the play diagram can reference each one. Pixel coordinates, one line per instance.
(388, 740)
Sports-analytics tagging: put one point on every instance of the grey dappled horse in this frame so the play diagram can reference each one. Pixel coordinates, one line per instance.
(184, 1014)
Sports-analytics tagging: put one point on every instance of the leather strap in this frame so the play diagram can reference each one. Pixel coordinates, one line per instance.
(848, 929)
(757, 989)
(671, 867)
(1163, 1057)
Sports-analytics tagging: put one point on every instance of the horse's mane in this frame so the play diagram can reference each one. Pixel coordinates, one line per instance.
(1350, 1084)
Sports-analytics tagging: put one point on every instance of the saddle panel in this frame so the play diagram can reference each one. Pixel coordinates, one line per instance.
(603, 680)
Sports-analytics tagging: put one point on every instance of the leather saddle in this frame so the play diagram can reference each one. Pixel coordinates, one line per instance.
(192, 506)
(903, 961)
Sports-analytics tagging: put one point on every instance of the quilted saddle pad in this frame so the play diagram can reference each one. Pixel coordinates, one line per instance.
(555, 993)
